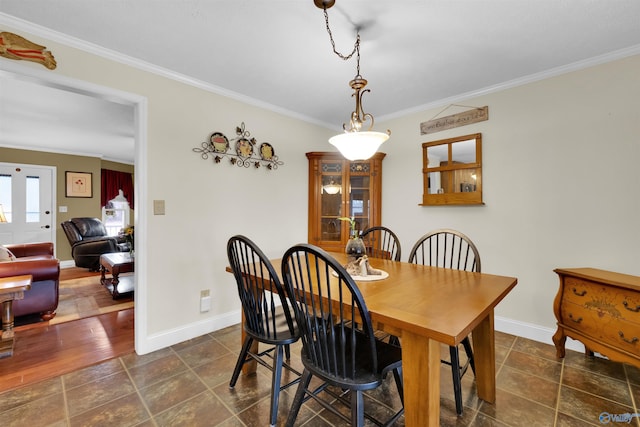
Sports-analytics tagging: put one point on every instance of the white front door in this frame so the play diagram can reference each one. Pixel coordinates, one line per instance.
(26, 195)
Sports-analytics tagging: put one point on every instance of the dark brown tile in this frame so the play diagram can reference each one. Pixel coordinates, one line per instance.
(564, 420)
(86, 375)
(482, 420)
(230, 337)
(203, 410)
(23, 395)
(535, 365)
(96, 393)
(127, 410)
(45, 411)
(522, 384)
(595, 364)
(132, 360)
(164, 394)
(516, 411)
(217, 371)
(189, 343)
(257, 415)
(248, 390)
(597, 384)
(501, 354)
(157, 370)
(633, 374)
(586, 406)
(504, 340)
(449, 417)
(535, 348)
(202, 352)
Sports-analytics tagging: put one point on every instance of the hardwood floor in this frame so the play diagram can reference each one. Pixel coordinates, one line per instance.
(43, 351)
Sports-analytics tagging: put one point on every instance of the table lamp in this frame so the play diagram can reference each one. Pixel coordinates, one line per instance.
(2, 217)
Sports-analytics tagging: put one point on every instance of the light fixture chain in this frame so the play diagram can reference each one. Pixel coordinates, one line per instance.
(356, 46)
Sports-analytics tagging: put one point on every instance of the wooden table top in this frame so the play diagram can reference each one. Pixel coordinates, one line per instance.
(439, 303)
(116, 258)
(15, 284)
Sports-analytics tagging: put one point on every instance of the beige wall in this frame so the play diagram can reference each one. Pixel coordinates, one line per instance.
(184, 251)
(560, 188)
(560, 178)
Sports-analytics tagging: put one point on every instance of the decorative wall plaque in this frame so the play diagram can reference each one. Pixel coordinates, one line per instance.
(242, 151)
(13, 46)
(455, 120)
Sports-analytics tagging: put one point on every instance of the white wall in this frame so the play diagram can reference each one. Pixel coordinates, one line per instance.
(561, 181)
(560, 178)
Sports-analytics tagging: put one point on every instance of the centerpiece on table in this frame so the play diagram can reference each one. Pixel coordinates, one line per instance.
(355, 245)
(358, 262)
(129, 236)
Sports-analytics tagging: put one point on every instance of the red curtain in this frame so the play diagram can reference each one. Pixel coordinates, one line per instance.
(111, 182)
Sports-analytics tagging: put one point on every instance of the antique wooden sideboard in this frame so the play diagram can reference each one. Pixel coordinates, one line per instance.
(601, 309)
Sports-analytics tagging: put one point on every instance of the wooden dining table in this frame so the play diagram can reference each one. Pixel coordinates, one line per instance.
(426, 307)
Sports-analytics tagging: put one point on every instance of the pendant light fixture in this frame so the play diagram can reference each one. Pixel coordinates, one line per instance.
(356, 142)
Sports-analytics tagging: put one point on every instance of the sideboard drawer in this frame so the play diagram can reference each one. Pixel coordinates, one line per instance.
(605, 300)
(602, 326)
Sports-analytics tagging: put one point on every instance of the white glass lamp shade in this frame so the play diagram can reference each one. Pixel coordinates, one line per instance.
(358, 145)
(332, 188)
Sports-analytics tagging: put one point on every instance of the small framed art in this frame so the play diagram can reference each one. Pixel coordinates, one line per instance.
(79, 184)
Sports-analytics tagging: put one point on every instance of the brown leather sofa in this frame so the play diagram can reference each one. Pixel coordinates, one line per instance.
(88, 239)
(37, 260)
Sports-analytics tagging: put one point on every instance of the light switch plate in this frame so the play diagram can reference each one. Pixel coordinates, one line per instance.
(158, 207)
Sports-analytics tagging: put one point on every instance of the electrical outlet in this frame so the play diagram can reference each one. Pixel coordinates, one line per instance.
(205, 301)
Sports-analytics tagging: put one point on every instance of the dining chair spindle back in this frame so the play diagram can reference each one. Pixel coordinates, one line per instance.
(268, 318)
(450, 249)
(338, 342)
(381, 242)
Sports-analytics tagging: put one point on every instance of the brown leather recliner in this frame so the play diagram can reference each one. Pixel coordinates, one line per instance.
(88, 239)
(37, 260)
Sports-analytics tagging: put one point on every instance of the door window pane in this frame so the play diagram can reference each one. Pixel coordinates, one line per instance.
(5, 195)
(33, 199)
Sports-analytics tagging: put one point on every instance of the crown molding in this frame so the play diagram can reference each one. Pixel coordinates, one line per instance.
(91, 48)
(532, 78)
(62, 38)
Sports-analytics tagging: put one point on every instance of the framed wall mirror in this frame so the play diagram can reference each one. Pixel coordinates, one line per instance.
(452, 171)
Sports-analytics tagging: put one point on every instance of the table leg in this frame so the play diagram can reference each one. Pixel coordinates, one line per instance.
(7, 319)
(484, 353)
(7, 334)
(421, 376)
(115, 272)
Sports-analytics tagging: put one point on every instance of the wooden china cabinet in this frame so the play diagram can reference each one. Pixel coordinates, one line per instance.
(342, 188)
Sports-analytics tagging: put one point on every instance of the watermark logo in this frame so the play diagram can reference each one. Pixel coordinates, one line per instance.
(606, 418)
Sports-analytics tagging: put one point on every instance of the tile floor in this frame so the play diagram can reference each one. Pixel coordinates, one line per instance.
(187, 385)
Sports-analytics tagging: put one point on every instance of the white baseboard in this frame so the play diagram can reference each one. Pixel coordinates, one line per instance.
(193, 330)
(533, 332)
(67, 264)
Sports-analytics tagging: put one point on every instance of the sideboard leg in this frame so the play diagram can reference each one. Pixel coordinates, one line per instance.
(559, 339)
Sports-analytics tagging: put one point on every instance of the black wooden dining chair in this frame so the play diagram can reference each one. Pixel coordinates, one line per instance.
(381, 242)
(338, 343)
(268, 318)
(450, 249)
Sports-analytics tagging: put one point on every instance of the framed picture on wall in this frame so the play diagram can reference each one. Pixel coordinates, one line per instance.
(79, 184)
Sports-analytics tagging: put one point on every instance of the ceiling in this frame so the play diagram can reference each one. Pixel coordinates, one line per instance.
(415, 54)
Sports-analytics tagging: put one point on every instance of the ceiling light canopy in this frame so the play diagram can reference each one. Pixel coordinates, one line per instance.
(355, 143)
